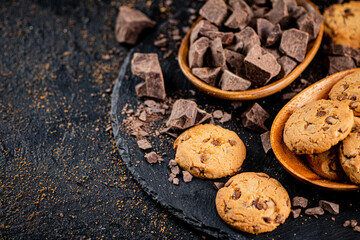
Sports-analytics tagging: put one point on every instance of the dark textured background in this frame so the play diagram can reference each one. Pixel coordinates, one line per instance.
(60, 173)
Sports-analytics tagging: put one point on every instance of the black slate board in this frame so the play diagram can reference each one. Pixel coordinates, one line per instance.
(194, 202)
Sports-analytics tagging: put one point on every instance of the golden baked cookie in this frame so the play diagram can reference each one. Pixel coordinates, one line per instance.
(349, 153)
(342, 23)
(253, 202)
(209, 151)
(327, 164)
(348, 90)
(317, 126)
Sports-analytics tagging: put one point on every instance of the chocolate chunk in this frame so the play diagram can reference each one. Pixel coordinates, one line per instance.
(246, 39)
(236, 195)
(274, 36)
(144, 144)
(259, 12)
(225, 118)
(217, 55)
(353, 223)
(267, 219)
(296, 11)
(264, 27)
(278, 13)
(340, 63)
(226, 37)
(294, 43)
(296, 213)
(176, 181)
(172, 163)
(279, 218)
(201, 28)
(232, 82)
(254, 118)
(201, 116)
(232, 142)
(332, 208)
(183, 114)
(218, 185)
(129, 24)
(237, 20)
(261, 66)
(208, 75)
(238, 5)
(152, 157)
(265, 140)
(161, 42)
(346, 223)
(142, 116)
(197, 52)
(314, 211)
(218, 114)
(356, 229)
(215, 11)
(235, 61)
(274, 51)
(171, 177)
(175, 170)
(299, 202)
(341, 50)
(147, 67)
(259, 2)
(310, 22)
(287, 65)
(187, 177)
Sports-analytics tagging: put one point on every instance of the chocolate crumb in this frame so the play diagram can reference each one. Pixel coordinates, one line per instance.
(356, 229)
(144, 144)
(171, 177)
(353, 223)
(152, 157)
(346, 223)
(172, 163)
(218, 114)
(176, 181)
(187, 177)
(175, 170)
(225, 118)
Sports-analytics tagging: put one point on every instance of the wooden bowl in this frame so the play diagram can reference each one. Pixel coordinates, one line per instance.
(293, 163)
(252, 94)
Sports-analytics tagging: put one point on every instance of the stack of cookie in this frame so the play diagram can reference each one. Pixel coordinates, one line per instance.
(328, 131)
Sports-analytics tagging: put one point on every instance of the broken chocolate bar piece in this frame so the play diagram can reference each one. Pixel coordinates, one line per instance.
(217, 55)
(260, 66)
(296, 11)
(218, 185)
(218, 114)
(293, 43)
(265, 140)
(232, 82)
(279, 11)
(130, 23)
(238, 5)
(208, 75)
(215, 11)
(264, 27)
(274, 51)
(235, 61)
(254, 118)
(201, 28)
(144, 144)
(237, 20)
(331, 207)
(201, 116)
(287, 65)
(314, 211)
(296, 213)
(274, 36)
(152, 157)
(310, 22)
(225, 118)
(197, 52)
(187, 177)
(299, 202)
(226, 37)
(183, 114)
(147, 67)
(340, 63)
(246, 39)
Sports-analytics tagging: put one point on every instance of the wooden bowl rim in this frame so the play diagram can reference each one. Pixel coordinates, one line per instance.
(252, 94)
(277, 129)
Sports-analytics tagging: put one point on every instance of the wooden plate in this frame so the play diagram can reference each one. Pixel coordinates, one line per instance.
(264, 91)
(293, 163)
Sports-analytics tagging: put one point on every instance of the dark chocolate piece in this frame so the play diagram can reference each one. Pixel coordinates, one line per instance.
(254, 118)
(208, 75)
(218, 185)
(331, 207)
(144, 144)
(265, 140)
(175, 170)
(296, 213)
(237, 20)
(296, 11)
(341, 50)
(259, 12)
(274, 36)
(340, 63)
(217, 55)
(152, 157)
(217, 114)
(172, 163)
(197, 52)
(246, 39)
(147, 67)
(279, 11)
(130, 23)
(226, 117)
(260, 66)
(237, 5)
(274, 51)
(314, 211)
(235, 61)
(287, 65)
(310, 22)
(187, 177)
(215, 11)
(201, 28)
(175, 181)
(294, 43)
(226, 37)
(232, 82)
(201, 116)
(263, 27)
(299, 202)
(183, 114)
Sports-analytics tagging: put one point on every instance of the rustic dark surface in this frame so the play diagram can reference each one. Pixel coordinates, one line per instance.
(60, 173)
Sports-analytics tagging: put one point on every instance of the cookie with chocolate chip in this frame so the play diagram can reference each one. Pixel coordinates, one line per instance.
(253, 202)
(349, 153)
(348, 91)
(317, 126)
(209, 151)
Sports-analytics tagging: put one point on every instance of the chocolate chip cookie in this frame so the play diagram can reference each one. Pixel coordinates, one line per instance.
(349, 153)
(253, 202)
(317, 126)
(348, 90)
(209, 151)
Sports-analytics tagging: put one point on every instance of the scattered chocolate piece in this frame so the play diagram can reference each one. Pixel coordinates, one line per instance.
(208, 75)
(340, 63)
(218, 185)
(232, 82)
(296, 213)
(225, 118)
(142, 116)
(346, 223)
(265, 140)
(152, 157)
(310, 22)
(274, 36)
(314, 211)
(129, 24)
(226, 37)
(187, 177)
(246, 39)
(356, 229)
(279, 11)
(218, 114)
(235, 61)
(147, 67)
(201, 116)
(201, 28)
(176, 181)
(261, 66)
(287, 65)
(353, 223)
(264, 27)
(332, 218)
(294, 43)
(237, 20)
(331, 207)
(254, 118)
(215, 11)
(299, 202)
(172, 163)
(183, 114)
(161, 42)
(217, 55)
(175, 170)
(236, 105)
(144, 144)
(171, 177)
(197, 52)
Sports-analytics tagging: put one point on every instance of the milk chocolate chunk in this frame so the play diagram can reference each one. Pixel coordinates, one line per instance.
(259, 12)
(246, 39)
(197, 52)
(264, 27)
(144, 144)
(237, 5)
(129, 24)
(287, 65)
(293, 43)
(274, 36)
(208, 75)
(201, 28)
(147, 67)
(310, 22)
(260, 66)
(278, 12)
(217, 55)
(187, 177)
(152, 157)
(254, 118)
(265, 140)
(201, 116)
(183, 114)
(314, 211)
(274, 51)
(230, 81)
(331, 207)
(237, 20)
(218, 185)
(296, 213)
(215, 11)
(296, 11)
(340, 63)
(299, 202)
(226, 37)
(235, 61)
